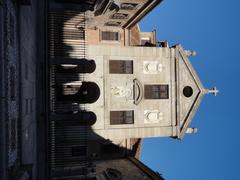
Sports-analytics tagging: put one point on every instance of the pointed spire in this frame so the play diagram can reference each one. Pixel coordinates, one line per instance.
(213, 91)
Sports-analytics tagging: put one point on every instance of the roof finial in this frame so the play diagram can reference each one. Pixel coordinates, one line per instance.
(190, 53)
(213, 91)
(191, 130)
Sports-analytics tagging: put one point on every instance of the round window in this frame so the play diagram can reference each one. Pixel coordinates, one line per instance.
(187, 91)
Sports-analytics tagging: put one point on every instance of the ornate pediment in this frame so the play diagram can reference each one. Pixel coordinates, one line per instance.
(190, 91)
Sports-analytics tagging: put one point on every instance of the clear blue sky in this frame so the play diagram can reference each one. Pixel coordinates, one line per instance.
(212, 28)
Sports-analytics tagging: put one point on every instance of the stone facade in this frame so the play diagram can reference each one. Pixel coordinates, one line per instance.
(167, 68)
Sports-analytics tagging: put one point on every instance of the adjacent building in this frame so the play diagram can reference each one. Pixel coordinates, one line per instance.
(125, 168)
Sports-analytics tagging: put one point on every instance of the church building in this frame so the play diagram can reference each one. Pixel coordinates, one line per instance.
(82, 85)
(144, 91)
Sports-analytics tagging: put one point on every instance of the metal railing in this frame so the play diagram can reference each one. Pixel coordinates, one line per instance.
(67, 143)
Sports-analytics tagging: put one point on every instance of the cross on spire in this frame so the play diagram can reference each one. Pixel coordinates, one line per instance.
(213, 91)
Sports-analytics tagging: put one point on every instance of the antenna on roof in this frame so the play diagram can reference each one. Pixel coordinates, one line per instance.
(213, 91)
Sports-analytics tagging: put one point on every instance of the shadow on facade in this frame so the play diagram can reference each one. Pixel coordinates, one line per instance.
(74, 149)
(73, 145)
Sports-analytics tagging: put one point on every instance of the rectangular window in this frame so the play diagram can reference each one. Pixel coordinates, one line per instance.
(121, 117)
(79, 151)
(120, 67)
(110, 36)
(113, 23)
(129, 6)
(119, 16)
(156, 91)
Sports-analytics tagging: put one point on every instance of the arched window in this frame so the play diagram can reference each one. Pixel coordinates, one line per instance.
(88, 92)
(83, 66)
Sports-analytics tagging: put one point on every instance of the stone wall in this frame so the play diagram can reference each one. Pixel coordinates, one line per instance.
(18, 58)
(10, 86)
